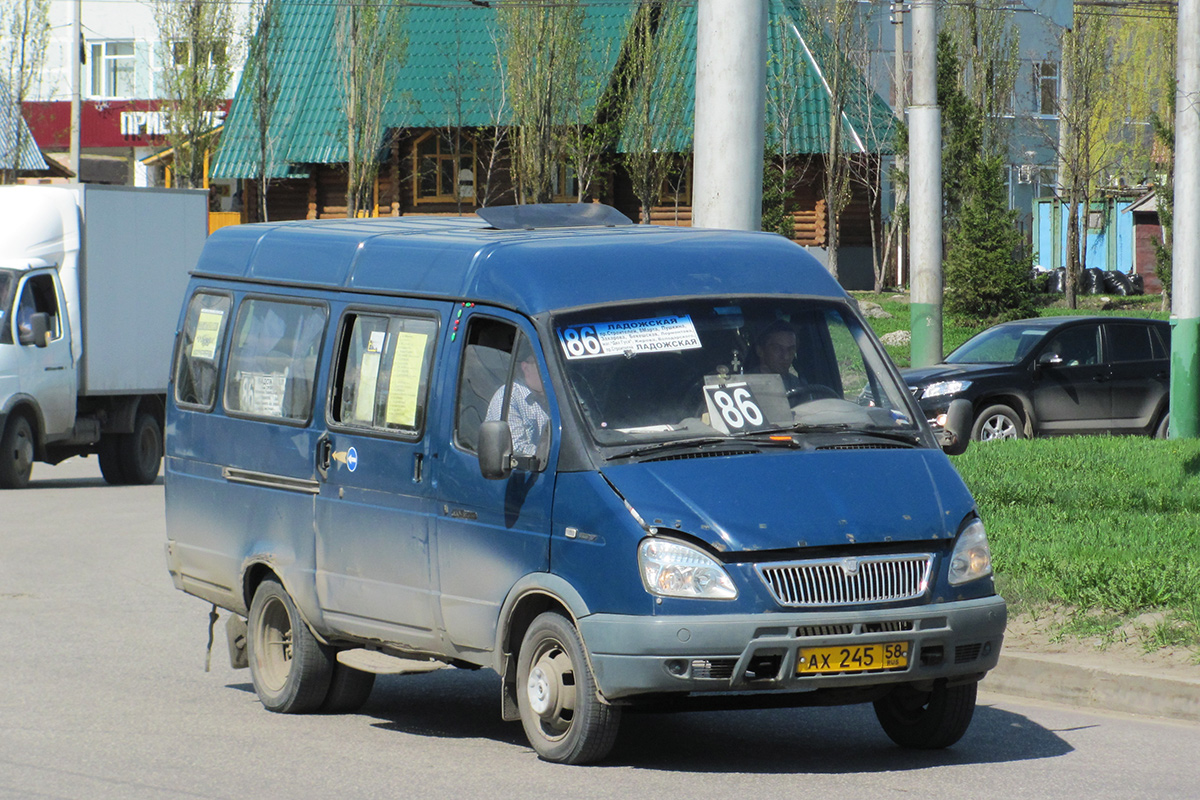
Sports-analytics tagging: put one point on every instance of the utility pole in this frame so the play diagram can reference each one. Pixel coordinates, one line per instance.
(76, 48)
(925, 190)
(1185, 242)
(730, 123)
(900, 100)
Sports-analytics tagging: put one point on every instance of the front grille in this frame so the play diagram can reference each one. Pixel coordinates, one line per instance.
(966, 653)
(848, 581)
(720, 669)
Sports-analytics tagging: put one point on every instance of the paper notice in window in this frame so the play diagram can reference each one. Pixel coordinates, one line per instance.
(208, 332)
(406, 380)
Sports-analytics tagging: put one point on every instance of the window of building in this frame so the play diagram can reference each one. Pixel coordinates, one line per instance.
(273, 360)
(441, 174)
(382, 380)
(112, 68)
(564, 184)
(200, 348)
(1045, 88)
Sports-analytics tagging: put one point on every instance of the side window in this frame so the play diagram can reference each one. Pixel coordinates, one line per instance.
(199, 354)
(1130, 343)
(500, 379)
(38, 296)
(273, 360)
(383, 373)
(1077, 346)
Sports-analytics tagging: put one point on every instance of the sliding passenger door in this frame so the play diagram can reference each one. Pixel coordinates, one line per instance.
(374, 505)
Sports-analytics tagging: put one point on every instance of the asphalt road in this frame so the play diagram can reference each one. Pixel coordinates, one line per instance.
(104, 694)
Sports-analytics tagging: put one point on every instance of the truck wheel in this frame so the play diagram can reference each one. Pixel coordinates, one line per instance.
(997, 422)
(109, 451)
(349, 688)
(141, 451)
(290, 669)
(927, 720)
(556, 694)
(16, 453)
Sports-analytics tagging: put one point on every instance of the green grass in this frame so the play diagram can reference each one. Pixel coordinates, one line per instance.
(1106, 525)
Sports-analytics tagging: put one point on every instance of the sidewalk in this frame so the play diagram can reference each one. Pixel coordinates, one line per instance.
(1089, 683)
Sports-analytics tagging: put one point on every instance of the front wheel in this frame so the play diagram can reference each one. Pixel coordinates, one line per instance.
(16, 453)
(556, 694)
(290, 669)
(997, 422)
(927, 720)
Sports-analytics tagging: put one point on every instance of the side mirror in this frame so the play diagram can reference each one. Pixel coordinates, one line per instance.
(1049, 360)
(956, 433)
(495, 449)
(39, 333)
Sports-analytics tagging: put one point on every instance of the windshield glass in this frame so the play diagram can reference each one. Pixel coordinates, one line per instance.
(1005, 344)
(676, 370)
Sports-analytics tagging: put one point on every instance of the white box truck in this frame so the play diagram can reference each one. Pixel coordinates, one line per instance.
(91, 278)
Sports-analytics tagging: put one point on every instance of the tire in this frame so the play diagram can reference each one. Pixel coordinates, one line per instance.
(927, 720)
(140, 452)
(1163, 431)
(556, 694)
(110, 460)
(291, 671)
(16, 453)
(348, 689)
(997, 422)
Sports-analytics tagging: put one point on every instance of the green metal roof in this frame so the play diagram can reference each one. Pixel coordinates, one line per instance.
(450, 78)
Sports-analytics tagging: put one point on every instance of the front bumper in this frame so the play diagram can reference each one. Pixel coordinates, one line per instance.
(634, 656)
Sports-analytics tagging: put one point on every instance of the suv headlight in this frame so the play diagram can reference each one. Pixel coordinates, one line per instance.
(674, 569)
(972, 558)
(942, 388)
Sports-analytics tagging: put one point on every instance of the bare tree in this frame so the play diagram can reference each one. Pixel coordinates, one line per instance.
(590, 127)
(261, 84)
(835, 30)
(987, 43)
(371, 47)
(786, 94)
(653, 112)
(196, 37)
(25, 25)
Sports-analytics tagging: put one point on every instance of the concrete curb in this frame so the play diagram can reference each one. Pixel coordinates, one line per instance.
(1059, 679)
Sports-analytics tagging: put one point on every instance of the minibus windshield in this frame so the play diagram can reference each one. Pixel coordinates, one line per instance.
(726, 367)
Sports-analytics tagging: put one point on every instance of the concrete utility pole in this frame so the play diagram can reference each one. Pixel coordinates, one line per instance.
(925, 190)
(731, 80)
(76, 45)
(1185, 244)
(900, 89)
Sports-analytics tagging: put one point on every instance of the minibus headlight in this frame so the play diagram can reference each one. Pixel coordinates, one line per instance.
(674, 569)
(972, 558)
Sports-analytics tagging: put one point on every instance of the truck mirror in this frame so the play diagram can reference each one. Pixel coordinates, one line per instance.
(956, 433)
(39, 330)
(495, 449)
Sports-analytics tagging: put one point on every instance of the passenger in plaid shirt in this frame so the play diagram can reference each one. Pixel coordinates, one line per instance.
(527, 416)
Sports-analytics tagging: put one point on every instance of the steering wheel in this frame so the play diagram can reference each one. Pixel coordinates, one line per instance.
(810, 392)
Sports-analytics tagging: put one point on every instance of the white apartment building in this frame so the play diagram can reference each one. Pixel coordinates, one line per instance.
(121, 85)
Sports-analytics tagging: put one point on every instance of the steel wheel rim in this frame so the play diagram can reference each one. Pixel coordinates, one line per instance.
(550, 689)
(273, 653)
(997, 426)
(147, 447)
(23, 451)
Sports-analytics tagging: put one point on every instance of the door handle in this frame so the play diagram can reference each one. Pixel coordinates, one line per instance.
(324, 455)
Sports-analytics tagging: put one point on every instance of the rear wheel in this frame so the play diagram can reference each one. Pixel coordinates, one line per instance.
(556, 694)
(16, 453)
(997, 422)
(1164, 427)
(291, 671)
(927, 720)
(110, 460)
(141, 452)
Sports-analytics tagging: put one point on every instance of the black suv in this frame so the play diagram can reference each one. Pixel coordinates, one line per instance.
(1054, 376)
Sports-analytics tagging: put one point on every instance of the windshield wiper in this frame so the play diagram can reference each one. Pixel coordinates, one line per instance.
(910, 437)
(698, 441)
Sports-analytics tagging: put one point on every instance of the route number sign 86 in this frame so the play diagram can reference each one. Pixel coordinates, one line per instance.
(732, 408)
